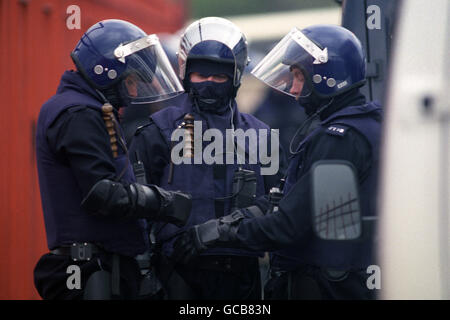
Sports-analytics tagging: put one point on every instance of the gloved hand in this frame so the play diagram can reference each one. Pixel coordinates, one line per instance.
(175, 206)
(203, 236)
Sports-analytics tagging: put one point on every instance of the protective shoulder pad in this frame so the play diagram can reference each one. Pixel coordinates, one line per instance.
(337, 129)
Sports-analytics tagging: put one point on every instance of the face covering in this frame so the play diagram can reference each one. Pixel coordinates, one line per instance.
(112, 95)
(310, 103)
(211, 96)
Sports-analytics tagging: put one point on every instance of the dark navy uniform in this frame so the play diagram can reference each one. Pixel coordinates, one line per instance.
(303, 266)
(73, 153)
(350, 131)
(94, 209)
(322, 67)
(212, 59)
(219, 273)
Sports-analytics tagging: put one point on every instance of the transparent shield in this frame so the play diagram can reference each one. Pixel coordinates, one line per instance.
(288, 66)
(149, 76)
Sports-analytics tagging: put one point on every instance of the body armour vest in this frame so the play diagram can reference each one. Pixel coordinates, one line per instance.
(210, 185)
(65, 221)
(345, 255)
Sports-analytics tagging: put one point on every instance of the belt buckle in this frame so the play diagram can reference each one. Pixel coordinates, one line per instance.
(81, 251)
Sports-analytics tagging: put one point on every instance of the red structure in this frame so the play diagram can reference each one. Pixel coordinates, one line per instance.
(34, 52)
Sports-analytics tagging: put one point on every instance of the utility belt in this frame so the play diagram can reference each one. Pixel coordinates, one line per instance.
(232, 264)
(102, 284)
(78, 251)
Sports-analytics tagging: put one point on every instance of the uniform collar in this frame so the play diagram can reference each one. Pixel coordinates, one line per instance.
(352, 98)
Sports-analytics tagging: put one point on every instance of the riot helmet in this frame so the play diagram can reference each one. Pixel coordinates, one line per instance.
(315, 64)
(213, 43)
(125, 64)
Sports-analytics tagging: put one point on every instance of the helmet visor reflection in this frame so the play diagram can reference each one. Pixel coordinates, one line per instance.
(211, 34)
(288, 66)
(149, 76)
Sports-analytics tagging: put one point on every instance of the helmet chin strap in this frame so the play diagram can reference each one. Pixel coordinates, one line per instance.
(306, 125)
(310, 103)
(102, 96)
(112, 96)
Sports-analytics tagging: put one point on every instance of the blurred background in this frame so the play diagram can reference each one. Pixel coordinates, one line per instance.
(35, 47)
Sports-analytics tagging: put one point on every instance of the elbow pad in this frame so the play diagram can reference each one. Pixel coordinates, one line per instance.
(109, 198)
(145, 202)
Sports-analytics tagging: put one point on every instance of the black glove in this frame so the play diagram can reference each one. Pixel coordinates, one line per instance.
(198, 238)
(175, 206)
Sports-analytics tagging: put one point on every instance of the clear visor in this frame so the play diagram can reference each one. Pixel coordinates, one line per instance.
(288, 66)
(149, 76)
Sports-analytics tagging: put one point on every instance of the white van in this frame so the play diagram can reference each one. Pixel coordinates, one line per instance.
(414, 196)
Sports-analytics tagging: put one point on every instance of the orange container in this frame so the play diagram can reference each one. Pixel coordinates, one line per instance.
(35, 44)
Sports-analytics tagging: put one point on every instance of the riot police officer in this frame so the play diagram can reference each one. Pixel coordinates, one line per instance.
(322, 67)
(94, 211)
(212, 58)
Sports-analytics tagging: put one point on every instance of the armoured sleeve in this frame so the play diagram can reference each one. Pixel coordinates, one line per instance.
(292, 223)
(109, 198)
(80, 140)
